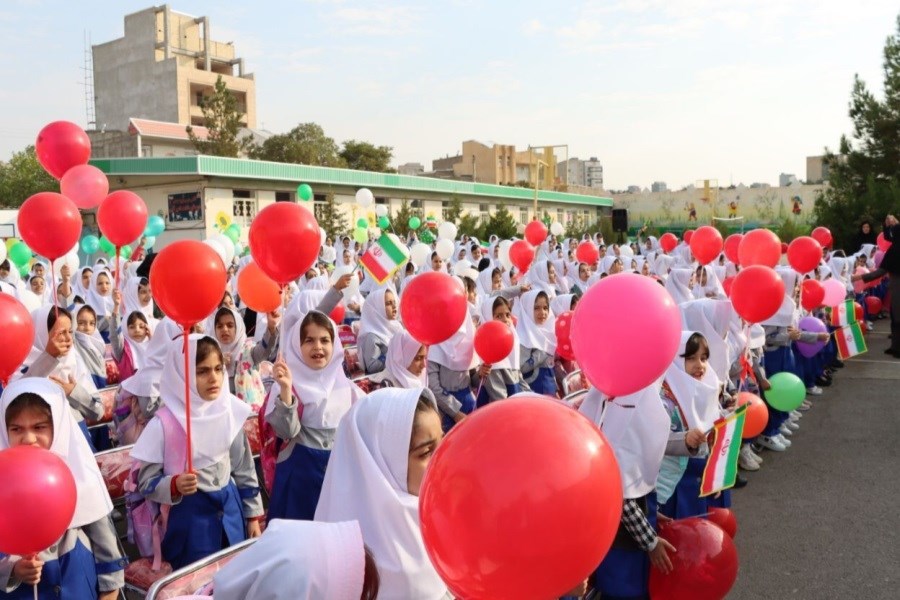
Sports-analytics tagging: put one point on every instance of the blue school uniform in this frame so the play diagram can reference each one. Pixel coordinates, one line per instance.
(685, 500)
(298, 483)
(624, 573)
(467, 400)
(72, 575)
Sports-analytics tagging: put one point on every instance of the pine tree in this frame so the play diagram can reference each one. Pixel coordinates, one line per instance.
(454, 212)
(470, 225)
(332, 219)
(400, 221)
(223, 122)
(502, 224)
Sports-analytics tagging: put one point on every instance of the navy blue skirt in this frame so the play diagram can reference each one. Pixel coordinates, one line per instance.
(467, 399)
(685, 500)
(545, 382)
(298, 484)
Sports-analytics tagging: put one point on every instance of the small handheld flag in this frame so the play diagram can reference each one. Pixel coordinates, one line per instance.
(843, 314)
(383, 259)
(850, 341)
(721, 467)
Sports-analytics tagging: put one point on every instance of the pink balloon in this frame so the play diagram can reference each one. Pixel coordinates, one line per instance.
(879, 256)
(835, 292)
(882, 243)
(85, 185)
(610, 329)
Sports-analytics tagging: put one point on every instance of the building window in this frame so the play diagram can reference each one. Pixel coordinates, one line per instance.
(241, 194)
(146, 151)
(559, 215)
(244, 211)
(445, 209)
(523, 216)
(484, 213)
(284, 197)
(381, 200)
(185, 206)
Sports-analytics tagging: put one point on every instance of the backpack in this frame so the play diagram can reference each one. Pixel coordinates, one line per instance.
(125, 365)
(269, 444)
(147, 519)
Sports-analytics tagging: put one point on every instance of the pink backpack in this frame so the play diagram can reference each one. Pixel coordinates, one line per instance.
(147, 519)
(269, 444)
(126, 363)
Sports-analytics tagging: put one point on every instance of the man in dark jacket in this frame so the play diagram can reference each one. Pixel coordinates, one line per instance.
(890, 265)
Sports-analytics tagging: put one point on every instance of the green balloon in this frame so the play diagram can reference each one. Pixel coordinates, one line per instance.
(304, 192)
(787, 392)
(362, 223)
(125, 252)
(233, 232)
(24, 270)
(107, 246)
(360, 234)
(20, 254)
(384, 222)
(415, 222)
(426, 237)
(90, 244)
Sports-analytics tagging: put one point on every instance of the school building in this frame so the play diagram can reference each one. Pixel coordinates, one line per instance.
(195, 193)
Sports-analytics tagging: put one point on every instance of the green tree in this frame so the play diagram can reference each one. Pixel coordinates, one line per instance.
(454, 212)
(364, 156)
(400, 221)
(331, 218)
(502, 224)
(470, 225)
(23, 176)
(864, 174)
(222, 119)
(305, 144)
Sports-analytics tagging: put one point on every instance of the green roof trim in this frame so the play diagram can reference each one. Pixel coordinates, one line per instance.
(213, 166)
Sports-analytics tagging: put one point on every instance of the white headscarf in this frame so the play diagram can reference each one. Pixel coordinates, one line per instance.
(712, 318)
(102, 305)
(698, 399)
(374, 321)
(712, 289)
(214, 423)
(532, 335)
(366, 480)
(561, 304)
(787, 312)
(236, 347)
(145, 382)
(539, 276)
(303, 303)
(401, 351)
(132, 301)
(297, 560)
(93, 343)
(487, 314)
(485, 282)
(69, 365)
(138, 349)
(92, 501)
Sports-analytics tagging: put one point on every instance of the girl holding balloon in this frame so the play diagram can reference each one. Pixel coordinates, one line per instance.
(503, 379)
(85, 562)
(535, 329)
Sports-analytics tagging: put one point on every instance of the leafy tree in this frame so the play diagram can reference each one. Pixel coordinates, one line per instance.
(470, 225)
(865, 173)
(400, 221)
(501, 224)
(331, 218)
(364, 156)
(454, 212)
(223, 121)
(305, 144)
(23, 176)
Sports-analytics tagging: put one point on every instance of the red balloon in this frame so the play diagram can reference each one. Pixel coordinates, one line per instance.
(493, 341)
(873, 305)
(757, 293)
(687, 236)
(760, 247)
(706, 244)
(85, 185)
(564, 335)
(256, 289)
(757, 415)
(726, 285)
(489, 532)
(280, 227)
(38, 489)
(724, 518)
(60, 146)
(812, 294)
(338, 314)
(823, 236)
(187, 280)
(122, 217)
(535, 233)
(705, 566)
(784, 248)
(858, 312)
(882, 243)
(804, 254)
(18, 335)
(521, 253)
(732, 242)
(50, 224)
(668, 241)
(586, 252)
(433, 307)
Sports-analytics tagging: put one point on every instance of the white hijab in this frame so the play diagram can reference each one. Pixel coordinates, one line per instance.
(487, 314)
(92, 502)
(94, 342)
(69, 365)
(236, 347)
(366, 480)
(712, 318)
(787, 312)
(561, 304)
(539, 276)
(698, 399)
(458, 352)
(401, 351)
(374, 321)
(297, 560)
(140, 349)
(145, 383)
(214, 423)
(678, 285)
(102, 305)
(532, 335)
(132, 301)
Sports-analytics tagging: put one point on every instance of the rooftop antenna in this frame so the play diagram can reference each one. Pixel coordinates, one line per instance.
(88, 83)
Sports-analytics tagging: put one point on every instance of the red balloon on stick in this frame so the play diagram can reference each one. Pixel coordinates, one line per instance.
(760, 247)
(38, 489)
(433, 307)
(18, 336)
(706, 244)
(521, 254)
(823, 236)
(564, 335)
(535, 233)
(812, 294)
(187, 280)
(487, 464)
(757, 293)
(757, 415)
(85, 185)
(122, 217)
(732, 242)
(493, 341)
(668, 241)
(687, 236)
(705, 566)
(337, 315)
(724, 518)
(804, 254)
(60, 146)
(726, 285)
(858, 313)
(50, 224)
(873, 305)
(284, 241)
(586, 252)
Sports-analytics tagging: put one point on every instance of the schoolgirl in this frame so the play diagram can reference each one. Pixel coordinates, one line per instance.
(450, 374)
(502, 379)
(100, 299)
(537, 338)
(81, 283)
(243, 355)
(405, 364)
(129, 347)
(579, 284)
(137, 298)
(90, 346)
(214, 505)
(378, 326)
(543, 276)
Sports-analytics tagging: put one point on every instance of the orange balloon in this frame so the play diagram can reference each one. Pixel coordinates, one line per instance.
(757, 414)
(256, 289)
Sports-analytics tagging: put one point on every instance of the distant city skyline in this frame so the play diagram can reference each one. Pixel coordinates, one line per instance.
(658, 91)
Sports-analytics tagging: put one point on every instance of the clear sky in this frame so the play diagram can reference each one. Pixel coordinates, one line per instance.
(671, 90)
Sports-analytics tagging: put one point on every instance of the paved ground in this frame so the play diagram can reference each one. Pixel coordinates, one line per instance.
(822, 520)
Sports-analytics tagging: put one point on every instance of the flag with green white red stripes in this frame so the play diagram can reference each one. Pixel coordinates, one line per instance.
(383, 258)
(850, 341)
(721, 466)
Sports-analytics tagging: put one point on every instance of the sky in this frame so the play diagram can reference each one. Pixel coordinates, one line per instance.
(659, 90)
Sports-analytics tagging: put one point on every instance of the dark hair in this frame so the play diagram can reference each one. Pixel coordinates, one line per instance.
(206, 346)
(410, 267)
(542, 294)
(223, 312)
(5, 265)
(33, 277)
(27, 401)
(316, 318)
(469, 283)
(433, 254)
(484, 264)
(696, 343)
(498, 302)
(425, 404)
(227, 294)
(136, 315)
(105, 274)
(55, 313)
(371, 578)
(89, 308)
(575, 299)
(143, 282)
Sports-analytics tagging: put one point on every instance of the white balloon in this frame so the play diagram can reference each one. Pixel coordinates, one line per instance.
(444, 248)
(503, 254)
(556, 228)
(351, 289)
(364, 197)
(29, 299)
(520, 229)
(461, 267)
(447, 231)
(238, 249)
(227, 245)
(70, 259)
(217, 246)
(420, 254)
(375, 232)
(381, 210)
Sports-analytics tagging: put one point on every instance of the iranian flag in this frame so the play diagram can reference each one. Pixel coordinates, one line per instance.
(383, 259)
(843, 314)
(850, 341)
(721, 467)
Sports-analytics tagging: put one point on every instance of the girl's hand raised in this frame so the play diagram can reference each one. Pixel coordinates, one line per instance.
(282, 374)
(28, 570)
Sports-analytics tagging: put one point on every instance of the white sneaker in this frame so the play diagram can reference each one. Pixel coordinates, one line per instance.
(785, 430)
(792, 425)
(754, 455)
(870, 326)
(772, 443)
(814, 391)
(784, 441)
(746, 461)
(805, 406)
(796, 415)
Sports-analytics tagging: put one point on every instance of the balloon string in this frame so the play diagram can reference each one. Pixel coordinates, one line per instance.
(35, 588)
(53, 283)
(480, 385)
(187, 400)
(118, 268)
